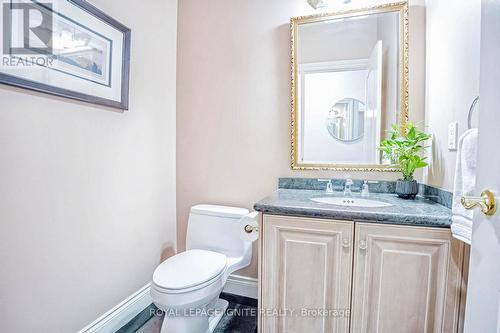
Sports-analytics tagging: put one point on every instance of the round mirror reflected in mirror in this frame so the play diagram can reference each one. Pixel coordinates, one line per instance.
(346, 120)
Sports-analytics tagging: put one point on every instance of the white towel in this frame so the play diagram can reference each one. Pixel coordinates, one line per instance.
(465, 182)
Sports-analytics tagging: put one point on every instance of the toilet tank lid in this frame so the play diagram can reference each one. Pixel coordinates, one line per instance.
(220, 211)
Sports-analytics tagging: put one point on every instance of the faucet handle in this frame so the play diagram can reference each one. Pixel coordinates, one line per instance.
(349, 181)
(329, 185)
(365, 189)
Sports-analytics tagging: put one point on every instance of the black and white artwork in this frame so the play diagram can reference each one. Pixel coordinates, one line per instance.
(67, 48)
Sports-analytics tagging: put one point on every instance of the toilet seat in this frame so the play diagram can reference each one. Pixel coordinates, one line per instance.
(188, 271)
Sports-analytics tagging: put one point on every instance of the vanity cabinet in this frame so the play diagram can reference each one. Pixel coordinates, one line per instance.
(406, 279)
(306, 266)
(364, 277)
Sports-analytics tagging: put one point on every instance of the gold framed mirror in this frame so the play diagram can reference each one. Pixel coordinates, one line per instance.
(349, 84)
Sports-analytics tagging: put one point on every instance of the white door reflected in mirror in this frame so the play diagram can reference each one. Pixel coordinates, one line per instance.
(351, 134)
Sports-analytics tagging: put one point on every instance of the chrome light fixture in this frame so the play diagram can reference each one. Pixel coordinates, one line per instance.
(320, 3)
(316, 3)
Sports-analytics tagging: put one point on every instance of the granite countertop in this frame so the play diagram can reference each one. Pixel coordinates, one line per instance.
(419, 212)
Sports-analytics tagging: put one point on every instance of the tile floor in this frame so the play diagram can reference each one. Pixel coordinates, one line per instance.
(241, 317)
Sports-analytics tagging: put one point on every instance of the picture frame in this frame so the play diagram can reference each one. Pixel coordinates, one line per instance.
(69, 49)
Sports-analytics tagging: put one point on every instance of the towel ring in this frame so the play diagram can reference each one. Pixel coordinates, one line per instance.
(471, 111)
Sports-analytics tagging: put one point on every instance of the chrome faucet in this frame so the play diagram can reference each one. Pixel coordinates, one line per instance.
(347, 187)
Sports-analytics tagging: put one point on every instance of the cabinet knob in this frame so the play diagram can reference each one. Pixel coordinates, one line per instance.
(346, 242)
(362, 245)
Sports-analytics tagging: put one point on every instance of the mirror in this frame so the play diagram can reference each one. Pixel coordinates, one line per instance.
(346, 120)
(350, 84)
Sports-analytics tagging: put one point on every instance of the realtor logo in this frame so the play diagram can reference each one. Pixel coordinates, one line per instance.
(27, 28)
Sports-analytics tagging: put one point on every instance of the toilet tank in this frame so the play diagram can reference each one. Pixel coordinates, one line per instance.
(216, 228)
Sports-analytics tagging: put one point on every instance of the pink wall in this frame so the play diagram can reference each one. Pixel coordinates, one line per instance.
(453, 59)
(233, 104)
(87, 205)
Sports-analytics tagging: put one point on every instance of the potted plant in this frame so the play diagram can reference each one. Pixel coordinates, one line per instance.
(404, 148)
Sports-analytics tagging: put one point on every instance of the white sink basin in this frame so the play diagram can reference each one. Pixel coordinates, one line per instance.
(351, 202)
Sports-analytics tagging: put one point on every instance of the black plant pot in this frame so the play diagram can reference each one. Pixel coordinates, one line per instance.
(406, 189)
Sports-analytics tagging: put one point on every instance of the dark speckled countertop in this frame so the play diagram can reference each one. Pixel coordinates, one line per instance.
(419, 212)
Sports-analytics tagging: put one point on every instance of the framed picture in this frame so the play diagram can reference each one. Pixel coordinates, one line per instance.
(67, 48)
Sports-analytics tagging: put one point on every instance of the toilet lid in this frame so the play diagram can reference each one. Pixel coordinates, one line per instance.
(188, 269)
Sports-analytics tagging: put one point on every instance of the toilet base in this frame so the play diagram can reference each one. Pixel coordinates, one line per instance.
(202, 323)
(220, 307)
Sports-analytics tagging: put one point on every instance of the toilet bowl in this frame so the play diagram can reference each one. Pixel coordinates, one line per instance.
(187, 286)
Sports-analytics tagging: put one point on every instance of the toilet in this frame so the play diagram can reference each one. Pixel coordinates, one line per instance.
(187, 286)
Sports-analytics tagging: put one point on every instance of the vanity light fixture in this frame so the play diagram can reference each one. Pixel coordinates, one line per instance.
(316, 3)
(320, 3)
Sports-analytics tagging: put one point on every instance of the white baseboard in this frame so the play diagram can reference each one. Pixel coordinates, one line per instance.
(242, 286)
(121, 314)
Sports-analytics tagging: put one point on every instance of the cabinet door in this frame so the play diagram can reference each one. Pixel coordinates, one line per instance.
(406, 279)
(305, 275)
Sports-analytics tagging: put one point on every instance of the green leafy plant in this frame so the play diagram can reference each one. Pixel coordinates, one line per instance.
(405, 147)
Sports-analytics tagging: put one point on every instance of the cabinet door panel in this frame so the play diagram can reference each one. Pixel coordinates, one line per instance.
(306, 267)
(406, 279)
